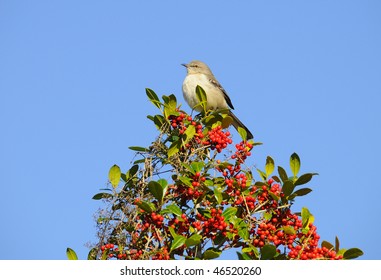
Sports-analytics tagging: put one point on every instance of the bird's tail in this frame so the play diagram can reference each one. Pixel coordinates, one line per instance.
(237, 123)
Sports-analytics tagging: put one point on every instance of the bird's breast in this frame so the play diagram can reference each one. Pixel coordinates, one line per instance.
(215, 98)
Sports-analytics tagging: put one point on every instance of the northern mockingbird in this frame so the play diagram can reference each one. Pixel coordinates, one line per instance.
(198, 73)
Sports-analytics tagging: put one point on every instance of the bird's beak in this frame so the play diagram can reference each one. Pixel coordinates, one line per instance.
(185, 65)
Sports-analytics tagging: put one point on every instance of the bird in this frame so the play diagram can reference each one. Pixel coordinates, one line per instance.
(199, 74)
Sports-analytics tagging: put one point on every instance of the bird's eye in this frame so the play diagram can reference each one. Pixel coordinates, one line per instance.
(195, 65)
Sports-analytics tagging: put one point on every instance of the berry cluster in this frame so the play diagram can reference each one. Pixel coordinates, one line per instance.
(181, 225)
(112, 251)
(194, 203)
(243, 150)
(211, 226)
(308, 248)
(178, 121)
(163, 254)
(197, 180)
(218, 139)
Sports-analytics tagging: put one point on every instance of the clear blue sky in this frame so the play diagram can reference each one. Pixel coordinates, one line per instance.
(305, 76)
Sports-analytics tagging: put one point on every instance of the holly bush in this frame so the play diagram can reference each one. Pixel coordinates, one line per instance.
(190, 195)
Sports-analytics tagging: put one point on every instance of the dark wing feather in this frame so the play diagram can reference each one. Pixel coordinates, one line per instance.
(227, 98)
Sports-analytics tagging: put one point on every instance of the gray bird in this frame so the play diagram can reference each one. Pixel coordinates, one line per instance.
(198, 73)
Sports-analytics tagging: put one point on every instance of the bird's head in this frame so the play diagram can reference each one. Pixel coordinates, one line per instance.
(197, 67)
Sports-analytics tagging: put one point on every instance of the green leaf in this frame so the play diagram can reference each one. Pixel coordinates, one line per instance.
(189, 132)
(352, 253)
(156, 190)
(197, 166)
(170, 106)
(177, 242)
(138, 149)
(114, 175)
(164, 185)
(307, 217)
(305, 178)
(99, 196)
(92, 254)
(289, 230)
(142, 160)
(217, 195)
(229, 213)
(242, 132)
(337, 244)
(132, 171)
(267, 216)
(195, 239)
(301, 192)
(204, 212)
(172, 231)
(262, 174)
(71, 255)
(174, 148)
(212, 120)
(159, 120)
(219, 239)
(243, 232)
(268, 252)
(287, 188)
(327, 245)
(201, 96)
(260, 184)
(211, 253)
(295, 164)
(282, 174)
(243, 256)
(270, 165)
(227, 121)
(186, 181)
(153, 97)
(276, 178)
(147, 207)
(174, 209)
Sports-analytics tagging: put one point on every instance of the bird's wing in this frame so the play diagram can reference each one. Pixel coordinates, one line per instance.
(227, 98)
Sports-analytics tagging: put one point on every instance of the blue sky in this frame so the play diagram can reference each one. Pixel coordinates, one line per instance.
(304, 76)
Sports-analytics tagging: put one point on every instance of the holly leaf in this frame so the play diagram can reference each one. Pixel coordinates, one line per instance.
(147, 207)
(114, 175)
(138, 149)
(174, 209)
(156, 190)
(99, 196)
(295, 164)
(71, 255)
(337, 244)
(268, 252)
(287, 188)
(282, 174)
(242, 132)
(177, 242)
(153, 97)
(201, 96)
(304, 179)
(211, 253)
(174, 148)
(270, 165)
(217, 195)
(352, 253)
(307, 217)
(327, 245)
(195, 239)
(301, 192)
(189, 132)
(229, 213)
